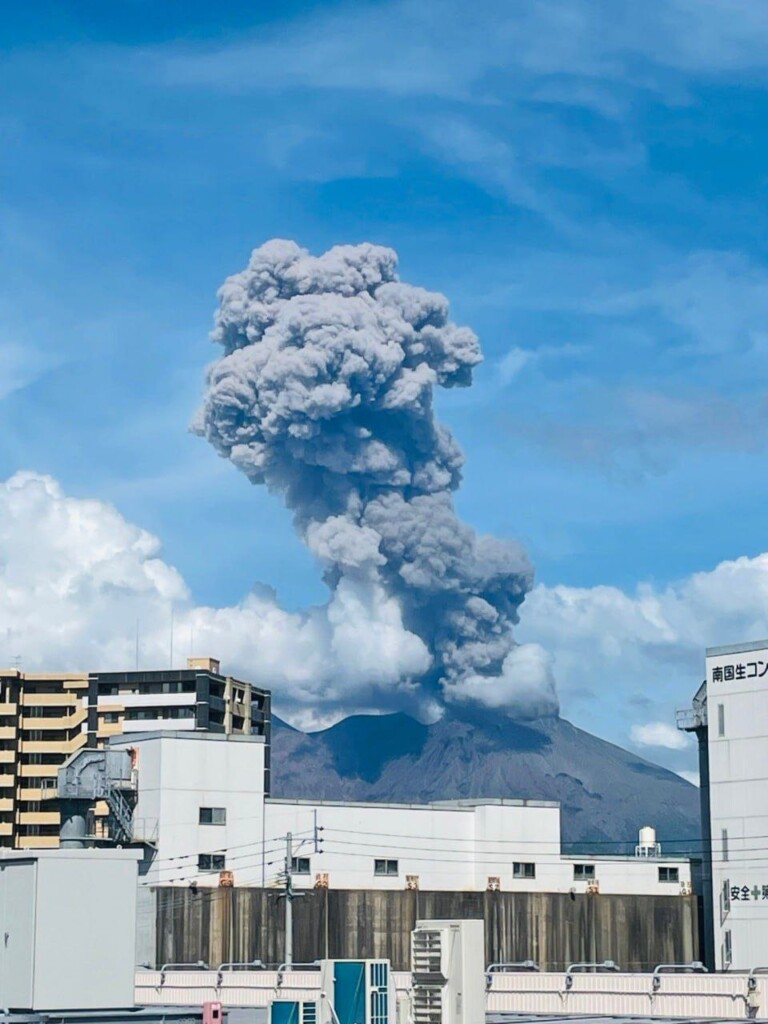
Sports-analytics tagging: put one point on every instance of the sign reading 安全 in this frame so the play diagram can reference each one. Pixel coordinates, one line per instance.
(749, 894)
(739, 670)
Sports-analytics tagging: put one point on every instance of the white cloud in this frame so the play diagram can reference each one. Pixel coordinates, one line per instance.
(526, 684)
(659, 734)
(406, 49)
(516, 359)
(19, 366)
(75, 577)
(617, 652)
(513, 363)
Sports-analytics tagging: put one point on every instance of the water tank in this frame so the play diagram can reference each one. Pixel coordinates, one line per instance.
(647, 836)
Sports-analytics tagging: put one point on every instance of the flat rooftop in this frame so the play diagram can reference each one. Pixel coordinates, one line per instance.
(436, 805)
(755, 645)
(127, 739)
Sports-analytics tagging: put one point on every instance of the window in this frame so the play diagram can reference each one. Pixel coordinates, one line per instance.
(583, 871)
(522, 870)
(724, 835)
(669, 874)
(300, 866)
(727, 949)
(721, 720)
(111, 716)
(725, 899)
(213, 816)
(211, 862)
(385, 867)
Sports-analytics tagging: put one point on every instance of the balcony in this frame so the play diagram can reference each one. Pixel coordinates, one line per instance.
(37, 842)
(62, 722)
(7, 756)
(36, 792)
(7, 732)
(6, 828)
(59, 746)
(38, 770)
(7, 781)
(47, 700)
(7, 708)
(6, 803)
(39, 818)
(109, 729)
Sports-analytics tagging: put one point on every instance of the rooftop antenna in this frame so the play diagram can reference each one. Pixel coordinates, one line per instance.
(170, 663)
(137, 642)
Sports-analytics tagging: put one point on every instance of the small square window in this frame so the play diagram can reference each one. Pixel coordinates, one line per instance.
(523, 870)
(669, 874)
(300, 866)
(385, 867)
(211, 862)
(581, 872)
(213, 816)
(111, 717)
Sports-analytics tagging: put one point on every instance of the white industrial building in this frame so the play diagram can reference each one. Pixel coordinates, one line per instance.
(201, 796)
(730, 717)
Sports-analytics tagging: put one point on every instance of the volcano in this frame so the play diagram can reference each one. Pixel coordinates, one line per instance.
(606, 793)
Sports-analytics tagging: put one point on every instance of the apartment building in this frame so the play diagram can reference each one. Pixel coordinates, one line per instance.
(46, 717)
(42, 721)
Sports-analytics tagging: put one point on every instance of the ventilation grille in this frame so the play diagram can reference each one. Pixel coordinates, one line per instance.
(427, 1004)
(428, 980)
(309, 1013)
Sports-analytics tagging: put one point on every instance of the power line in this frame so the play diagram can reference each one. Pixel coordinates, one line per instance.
(511, 842)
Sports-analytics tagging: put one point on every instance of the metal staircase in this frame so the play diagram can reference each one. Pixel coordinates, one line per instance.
(88, 776)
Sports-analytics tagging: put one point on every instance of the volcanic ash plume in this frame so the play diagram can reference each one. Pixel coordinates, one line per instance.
(324, 394)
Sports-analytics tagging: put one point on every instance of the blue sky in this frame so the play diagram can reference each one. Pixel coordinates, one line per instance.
(585, 181)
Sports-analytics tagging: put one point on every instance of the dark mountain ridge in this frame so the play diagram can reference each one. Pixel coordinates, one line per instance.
(606, 793)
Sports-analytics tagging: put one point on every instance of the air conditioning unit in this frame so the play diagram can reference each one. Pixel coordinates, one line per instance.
(412, 882)
(291, 1011)
(448, 965)
(686, 889)
(321, 880)
(357, 992)
(593, 887)
(226, 879)
(494, 883)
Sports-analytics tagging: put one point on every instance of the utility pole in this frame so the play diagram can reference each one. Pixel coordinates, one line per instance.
(289, 896)
(288, 900)
(288, 893)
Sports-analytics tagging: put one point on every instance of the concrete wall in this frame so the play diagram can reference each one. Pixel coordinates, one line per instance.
(554, 929)
(737, 708)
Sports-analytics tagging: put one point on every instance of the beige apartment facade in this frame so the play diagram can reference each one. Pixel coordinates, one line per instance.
(47, 717)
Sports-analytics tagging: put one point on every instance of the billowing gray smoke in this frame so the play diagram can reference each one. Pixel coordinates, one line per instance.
(324, 393)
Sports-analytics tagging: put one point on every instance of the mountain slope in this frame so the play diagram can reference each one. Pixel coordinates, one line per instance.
(606, 793)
